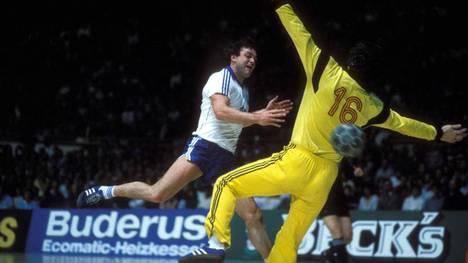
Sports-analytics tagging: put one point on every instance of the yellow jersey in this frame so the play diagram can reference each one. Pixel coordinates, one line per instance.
(332, 96)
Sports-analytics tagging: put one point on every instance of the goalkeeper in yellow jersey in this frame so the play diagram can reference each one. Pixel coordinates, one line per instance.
(308, 166)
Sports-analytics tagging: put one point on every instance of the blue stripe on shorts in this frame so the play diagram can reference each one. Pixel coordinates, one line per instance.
(212, 159)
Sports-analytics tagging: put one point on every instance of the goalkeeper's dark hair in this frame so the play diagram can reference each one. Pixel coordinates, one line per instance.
(365, 63)
(234, 47)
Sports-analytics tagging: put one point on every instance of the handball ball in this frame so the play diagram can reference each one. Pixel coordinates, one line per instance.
(348, 140)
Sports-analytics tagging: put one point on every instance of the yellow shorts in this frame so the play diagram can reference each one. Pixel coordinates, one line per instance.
(296, 171)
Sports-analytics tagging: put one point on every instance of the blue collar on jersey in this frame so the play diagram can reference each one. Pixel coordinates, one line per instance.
(233, 75)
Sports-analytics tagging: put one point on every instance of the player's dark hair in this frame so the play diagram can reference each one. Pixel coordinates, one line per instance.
(235, 47)
(365, 63)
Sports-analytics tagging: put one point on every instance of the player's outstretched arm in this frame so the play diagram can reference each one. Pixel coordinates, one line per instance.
(267, 117)
(450, 133)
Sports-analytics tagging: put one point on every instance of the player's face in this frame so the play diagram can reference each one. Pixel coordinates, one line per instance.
(245, 63)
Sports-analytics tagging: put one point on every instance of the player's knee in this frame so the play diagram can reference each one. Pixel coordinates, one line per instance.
(251, 215)
(335, 229)
(155, 198)
(158, 197)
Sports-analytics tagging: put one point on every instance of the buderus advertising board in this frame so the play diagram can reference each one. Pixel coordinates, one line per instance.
(103, 232)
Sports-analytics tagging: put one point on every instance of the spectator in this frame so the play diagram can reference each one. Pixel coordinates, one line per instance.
(395, 179)
(25, 201)
(117, 100)
(464, 188)
(368, 201)
(455, 199)
(436, 202)
(389, 199)
(53, 197)
(204, 198)
(6, 201)
(414, 202)
(428, 191)
(385, 170)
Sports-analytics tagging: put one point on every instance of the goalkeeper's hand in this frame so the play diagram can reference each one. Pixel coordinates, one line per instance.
(453, 133)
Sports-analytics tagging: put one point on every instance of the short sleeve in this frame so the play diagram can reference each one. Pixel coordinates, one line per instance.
(218, 83)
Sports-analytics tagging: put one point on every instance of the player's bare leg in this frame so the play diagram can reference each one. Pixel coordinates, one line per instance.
(346, 229)
(339, 227)
(176, 177)
(248, 210)
(334, 226)
(341, 230)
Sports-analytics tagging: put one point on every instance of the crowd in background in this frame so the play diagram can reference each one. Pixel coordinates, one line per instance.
(109, 94)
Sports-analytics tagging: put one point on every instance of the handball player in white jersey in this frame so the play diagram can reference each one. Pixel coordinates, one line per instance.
(210, 150)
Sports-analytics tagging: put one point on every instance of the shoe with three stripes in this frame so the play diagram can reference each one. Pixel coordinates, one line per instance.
(204, 254)
(90, 197)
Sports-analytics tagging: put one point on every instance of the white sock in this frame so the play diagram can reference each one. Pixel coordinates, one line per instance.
(107, 191)
(214, 243)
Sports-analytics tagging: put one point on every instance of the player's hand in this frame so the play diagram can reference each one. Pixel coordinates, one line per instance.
(453, 133)
(274, 104)
(273, 117)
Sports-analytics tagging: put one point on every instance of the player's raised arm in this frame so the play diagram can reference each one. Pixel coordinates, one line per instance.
(302, 39)
(421, 130)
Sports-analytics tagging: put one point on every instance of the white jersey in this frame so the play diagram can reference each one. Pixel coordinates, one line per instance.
(225, 134)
